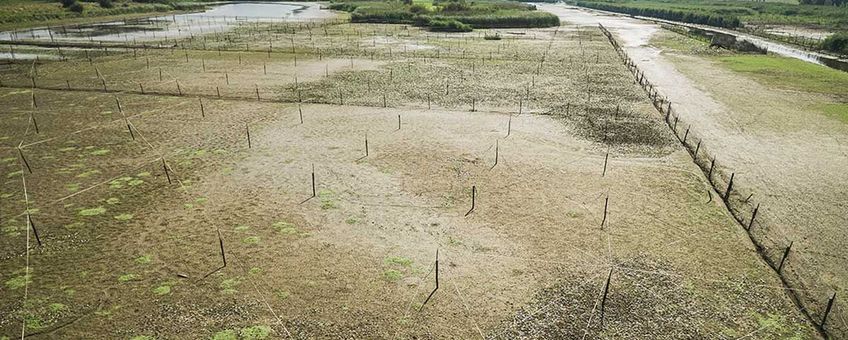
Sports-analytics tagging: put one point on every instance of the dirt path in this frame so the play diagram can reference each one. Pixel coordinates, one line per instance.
(790, 156)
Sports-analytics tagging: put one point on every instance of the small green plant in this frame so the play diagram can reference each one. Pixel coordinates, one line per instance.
(250, 240)
(255, 332)
(92, 211)
(127, 278)
(124, 217)
(162, 290)
(143, 259)
(284, 227)
(398, 260)
(392, 275)
(18, 282)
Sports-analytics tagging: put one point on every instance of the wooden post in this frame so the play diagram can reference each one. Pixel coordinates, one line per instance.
(34, 230)
(300, 112)
(21, 152)
(783, 259)
(729, 187)
(179, 89)
(313, 181)
(710, 173)
(384, 100)
(202, 110)
(428, 101)
(509, 126)
(223, 254)
(160, 74)
(247, 129)
(606, 159)
(826, 310)
(167, 174)
(497, 147)
(697, 148)
(257, 93)
(520, 104)
(366, 144)
(437, 282)
(604, 298)
(398, 122)
(753, 216)
(685, 135)
(606, 206)
(473, 199)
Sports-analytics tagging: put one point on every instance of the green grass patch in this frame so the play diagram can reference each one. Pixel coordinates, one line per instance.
(92, 211)
(251, 240)
(162, 290)
(392, 275)
(143, 259)
(18, 282)
(835, 110)
(789, 73)
(398, 260)
(284, 227)
(124, 217)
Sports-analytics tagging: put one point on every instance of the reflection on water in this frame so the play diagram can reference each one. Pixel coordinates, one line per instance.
(217, 19)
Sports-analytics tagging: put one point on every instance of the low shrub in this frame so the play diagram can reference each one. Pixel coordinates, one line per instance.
(837, 43)
(448, 26)
(76, 7)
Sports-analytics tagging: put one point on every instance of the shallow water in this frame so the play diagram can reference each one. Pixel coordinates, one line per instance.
(632, 32)
(219, 18)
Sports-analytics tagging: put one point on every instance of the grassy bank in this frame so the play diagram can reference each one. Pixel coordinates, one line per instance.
(449, 16)
(790, 73)
(22, 13)
(730, 13)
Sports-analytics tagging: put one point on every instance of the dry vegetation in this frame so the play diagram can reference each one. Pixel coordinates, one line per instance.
(126, 254)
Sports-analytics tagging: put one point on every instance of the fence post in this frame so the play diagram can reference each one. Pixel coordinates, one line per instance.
(753, 216)
(827, 310)
(783, 259)
(729, 187)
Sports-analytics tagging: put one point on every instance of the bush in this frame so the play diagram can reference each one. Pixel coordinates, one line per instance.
(106, 3)
(448, 26)
(417, 9)
(837, 43)
(76, 7)
(67, 3)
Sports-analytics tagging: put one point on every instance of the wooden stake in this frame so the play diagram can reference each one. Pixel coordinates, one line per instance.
(437, 282)
(753, 216)
(223, 254)
(710, 173)
(202, 110)
(606, 206)
(366, 144)
(34, 230)
(606, 291)
(21, 152)
(606, 159)
(509, 126)
(398, 122)
(167, 174)
(783, 259)
(729, 187)
(826, 311)
(247, 128)
(179, 89)
(313, 181)
(473, 199)
(300, 111)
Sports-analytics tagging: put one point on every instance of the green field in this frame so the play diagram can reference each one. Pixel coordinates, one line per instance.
(789, 73)
(456, 16)
(25, 13)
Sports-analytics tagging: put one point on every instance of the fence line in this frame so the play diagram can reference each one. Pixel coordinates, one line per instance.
(741, 207)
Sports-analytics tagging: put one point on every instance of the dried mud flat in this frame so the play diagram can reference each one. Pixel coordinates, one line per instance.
(126, 254)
